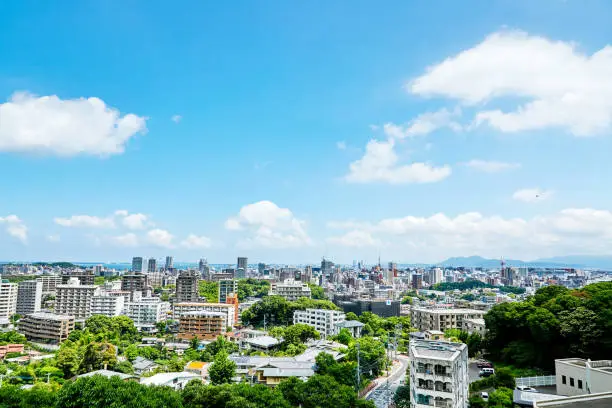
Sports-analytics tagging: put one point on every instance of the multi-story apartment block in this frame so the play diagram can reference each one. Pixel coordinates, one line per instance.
(49, 283)
(147, 312)
(227, 287)
(74, 299)
(86, 277)
(323, 321)
(46, 327)
(8, 299)
(576, 376)
(474, 326)
(290, 289)
(438, 374)
(442, 319)
(107, 304)
(228, 310)
(29, 297)
(187, 287)
(203, 325)
(135, 282)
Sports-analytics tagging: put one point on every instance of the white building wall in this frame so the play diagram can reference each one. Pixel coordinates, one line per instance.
(8, 299)
(29, 297)
(323, 321)
(107, 305)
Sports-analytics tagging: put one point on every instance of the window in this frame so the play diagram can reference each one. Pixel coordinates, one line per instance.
(564, 379)
(580, 384)
(571, 382)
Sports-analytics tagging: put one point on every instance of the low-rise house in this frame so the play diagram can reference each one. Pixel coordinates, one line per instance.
(353, 326)
(174, 380)
(142, 365)
(474, 326)
(109, 374)
(261, 343)
(198, 367)
(10, 348)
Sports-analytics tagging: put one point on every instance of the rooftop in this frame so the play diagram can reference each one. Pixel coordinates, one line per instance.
(165, 378)
(107, 374)
(447, 310)
(262, 341)
(349, 324)
(438, 350)
(602, 400)
(50, 316)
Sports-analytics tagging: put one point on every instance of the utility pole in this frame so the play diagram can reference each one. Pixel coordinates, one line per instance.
(264, 322)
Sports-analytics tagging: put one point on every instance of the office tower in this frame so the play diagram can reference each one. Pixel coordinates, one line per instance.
(306, 275)
(74, 299)
(169, 262)
(137, 264)
(242, 263)
(327, 267)
(323, 321)
(261, 267)
(97, 269)
(290, 290)
(438, 374)
(8, 299)
(85, 277)
(46, 327)
(226, 287)
(204, 269)
(417, 281)
(29, 297)
(187, 286)
(152, 265)
(135, 282)
(240, 273)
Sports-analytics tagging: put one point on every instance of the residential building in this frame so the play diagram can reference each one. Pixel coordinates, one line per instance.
(46, 327)
(85, 277)
(203, 325)
(216, 277)
(137, 264)
(135, 282)
(8, 299)
(576, 376)
(442, 318)
(474, 326)
(261, 343)
(49, 283)
(147, 312)
(306, 275)
(232, 299)
(600, 400)
(290, 289)
(74, 299)
(353, 326)
(107, 304)
(29, 297)
(417, 281)
(324, 321)
(242, 263)
(152, 265)
(142, 365)
(187, 287)
(227, 287)
(176, 381)
(228, 310)
(169, 263)
(10, 348)
(381, 307)
(438, 374)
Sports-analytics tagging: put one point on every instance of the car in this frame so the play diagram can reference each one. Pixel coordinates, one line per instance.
(486, 372)
(484, 364)
(526, 388)
(484, 395)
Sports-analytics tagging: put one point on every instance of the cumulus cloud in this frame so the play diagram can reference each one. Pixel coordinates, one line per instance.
(491, 166)
(176, 118)
(50, 125)
(160, 238)
(267, 225)
(15, 227)
(86, 221)
(565, 88)
(136, 221)
(424, 124)
(196, 242)
(380, 163)
(532, 195)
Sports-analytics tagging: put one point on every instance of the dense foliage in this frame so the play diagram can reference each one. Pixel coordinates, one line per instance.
(475, 284)
(279, 311)
(317, 292)
(252, 288)
(555, 323)
(209, 290)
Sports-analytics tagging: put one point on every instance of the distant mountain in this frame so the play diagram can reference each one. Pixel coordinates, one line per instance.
(554, 262)
(584, 261)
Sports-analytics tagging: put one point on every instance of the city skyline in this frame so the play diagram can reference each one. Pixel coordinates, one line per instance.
(288, 132)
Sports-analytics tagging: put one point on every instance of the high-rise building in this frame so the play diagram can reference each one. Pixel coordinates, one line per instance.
(137, 264)
(187, 286)
(152, 265)
(438, 374)
(204, 269)
(306, 275)
(242, 263)
(74, 299)
(29, 297)
(261, 267)
(327, 267)
(8, 299)
(417, 281)
(169, 262)
(135, 282)
(147, 312)
(85, 277)
(226, 286)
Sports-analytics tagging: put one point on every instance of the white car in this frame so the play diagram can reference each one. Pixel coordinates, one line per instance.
(484, 395)
(525, 388)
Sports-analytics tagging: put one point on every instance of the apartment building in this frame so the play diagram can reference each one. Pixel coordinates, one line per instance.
(29, 297)
(187, 287)
(290, 289)
(74, 299)
(323, 321)
(442, 319)
(576, 376)
(135, 282)
(49, 283)
(46, 327)
(85, 277)
(147, 312)
(228, 310)
(227, 287)
(8, 299)
(203, 325)
(474, 326)
(107, 304)
(438, 374)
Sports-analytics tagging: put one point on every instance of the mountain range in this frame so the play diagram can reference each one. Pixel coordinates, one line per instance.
(569, 261)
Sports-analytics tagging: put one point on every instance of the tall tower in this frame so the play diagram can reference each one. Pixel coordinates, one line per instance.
(137, 264)
(169, 262)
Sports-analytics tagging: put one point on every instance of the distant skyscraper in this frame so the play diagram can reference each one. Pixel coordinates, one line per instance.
(261, 267)
(137, 264)
(327, 267)
(242, 262)
(169, 262)
(240, 273)
(204, 269)
(152, 265)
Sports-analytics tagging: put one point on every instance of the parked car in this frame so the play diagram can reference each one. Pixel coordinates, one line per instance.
(484, 395)
(484, 364)
(525, 388)
(486, 372)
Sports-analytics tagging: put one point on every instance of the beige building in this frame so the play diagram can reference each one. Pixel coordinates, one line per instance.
(575, 376)
(290, 289)
(228, 310)
(49, 283)
(74, 299)
(442, 319)
(46, 327)
(203, 325)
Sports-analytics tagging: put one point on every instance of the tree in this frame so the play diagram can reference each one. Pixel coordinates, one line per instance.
(501, 398)
(351, 316)
(222, 370)
(317, 292)
(344, 336)
(371, 354)
(209, 290)
(401, 399)
(131, 352)
(504, 378)
(68, 359)
(97, 356)
(476, 402)
(300, 333)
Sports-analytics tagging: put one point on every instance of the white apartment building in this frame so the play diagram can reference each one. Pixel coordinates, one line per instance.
(29, 297)
(443, 318)
(147, 312)
(290, 289)
(49, 283)
(8, 299)
(323, 321)
(74, 299)
(438, 374)
(474, 326)
(107, 305)
(228, 310)
(576, 376)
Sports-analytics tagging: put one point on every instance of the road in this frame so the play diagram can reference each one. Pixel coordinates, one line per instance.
(382, 393)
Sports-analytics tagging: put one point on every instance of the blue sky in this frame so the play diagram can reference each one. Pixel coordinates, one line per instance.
(258, 128)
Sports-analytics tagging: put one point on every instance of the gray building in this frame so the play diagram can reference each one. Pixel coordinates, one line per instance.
(135, 282)
(152, 265)
(187, 286)
(226, 287)
(29, 297)
(137, 264)
(86, 277)
(242, 263)
(169, 262)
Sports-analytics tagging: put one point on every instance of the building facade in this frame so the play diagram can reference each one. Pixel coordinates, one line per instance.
(29, 297)
(442, 319)
(107, 305)
(203, 325)
(137, 264)
(227, 287)
(135, 282)
(324, 321)
(74, 299)
(169, 263)
(147, 312)
(46, 327)
(187, 287)
(438, 374)
(242, 263)
(228, 310)
(85, 277)
(49, 283)
(576, 376)
(290, 289)
(8, 299)
(152, 265)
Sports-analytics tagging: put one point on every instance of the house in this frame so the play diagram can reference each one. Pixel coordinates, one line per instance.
(272, 376)
(353, 326)
(10, 348)
(174, 380)
(142, 365)
(434, 335)
(198, 367)
(261, 343)
(108, 374)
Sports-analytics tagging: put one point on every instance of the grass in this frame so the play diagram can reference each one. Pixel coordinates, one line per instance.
(521, 371)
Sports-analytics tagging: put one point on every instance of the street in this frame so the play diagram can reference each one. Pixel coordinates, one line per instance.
(383, 393)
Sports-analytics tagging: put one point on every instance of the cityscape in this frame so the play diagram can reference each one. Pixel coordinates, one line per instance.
(278, 204)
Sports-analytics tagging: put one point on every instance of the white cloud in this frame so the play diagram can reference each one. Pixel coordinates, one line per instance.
(268, 226)
(196, 242)
(355, 239)
(160, 237)
(86, 221)
(50, 125)
(341, 145)
(53, 238)
(126, 240)
(424, 124)
(176, 118)
(491, 166)
(136, 221)
(15, 227)
(380, 164)
(566, 88)
(531, 195)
